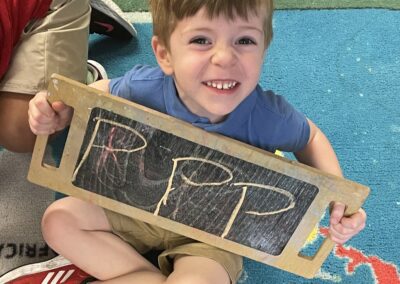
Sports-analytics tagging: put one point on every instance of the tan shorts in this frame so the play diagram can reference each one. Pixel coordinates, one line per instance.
(145, 237)
(57, 43)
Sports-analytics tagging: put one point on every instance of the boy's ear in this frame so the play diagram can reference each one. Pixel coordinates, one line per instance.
(162, 55)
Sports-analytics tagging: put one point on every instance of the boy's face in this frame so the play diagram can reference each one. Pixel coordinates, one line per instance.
(215, 63)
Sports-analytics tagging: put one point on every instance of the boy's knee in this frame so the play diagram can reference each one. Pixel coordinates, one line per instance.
(192, 278)
(199, 270)
(56, 220)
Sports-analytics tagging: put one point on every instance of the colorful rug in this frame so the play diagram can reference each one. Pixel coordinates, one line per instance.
(341, 68)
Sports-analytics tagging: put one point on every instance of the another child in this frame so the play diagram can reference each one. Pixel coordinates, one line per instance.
(39, 38)
(210, 55)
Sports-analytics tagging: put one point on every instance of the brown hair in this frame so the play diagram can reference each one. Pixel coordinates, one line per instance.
(167, 13)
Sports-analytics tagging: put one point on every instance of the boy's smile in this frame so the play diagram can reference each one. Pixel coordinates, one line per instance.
(215, 62)
(222, 85)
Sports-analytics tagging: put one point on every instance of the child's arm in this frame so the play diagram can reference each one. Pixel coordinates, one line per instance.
(319, 153)
(46, 119)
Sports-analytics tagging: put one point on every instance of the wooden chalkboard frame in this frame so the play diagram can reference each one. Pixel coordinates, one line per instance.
(83, 99)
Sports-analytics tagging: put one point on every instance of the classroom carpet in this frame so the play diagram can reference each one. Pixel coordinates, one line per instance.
(341, 67)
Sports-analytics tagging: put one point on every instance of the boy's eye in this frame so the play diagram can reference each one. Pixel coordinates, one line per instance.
(246, 41)
(200, 40)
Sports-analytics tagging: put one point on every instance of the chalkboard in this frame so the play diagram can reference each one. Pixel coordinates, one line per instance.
(166, 172)
(195, 185)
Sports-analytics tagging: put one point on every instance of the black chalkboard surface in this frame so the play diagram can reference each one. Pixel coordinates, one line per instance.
(166, 172)
(195, 185)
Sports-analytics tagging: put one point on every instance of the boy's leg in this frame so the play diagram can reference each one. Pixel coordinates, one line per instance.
(80, 232)
(187, 269)
(56, 44)
(197, 269)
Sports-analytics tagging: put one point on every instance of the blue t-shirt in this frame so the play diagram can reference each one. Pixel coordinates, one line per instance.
(263, 119)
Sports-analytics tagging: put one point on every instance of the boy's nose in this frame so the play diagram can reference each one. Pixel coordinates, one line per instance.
(224, 56)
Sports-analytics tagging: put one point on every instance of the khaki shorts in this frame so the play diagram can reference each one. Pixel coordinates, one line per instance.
(57, 43)
(144, 237)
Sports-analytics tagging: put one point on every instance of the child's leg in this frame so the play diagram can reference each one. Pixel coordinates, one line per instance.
(15, 134)
(187, 269)
(197, 269)
(57, 43)
(80, 231)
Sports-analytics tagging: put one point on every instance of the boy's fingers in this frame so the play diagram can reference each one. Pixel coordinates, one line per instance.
(43, 131)
(36, 115)
(46, 118)
(40, 105)
(42, 95)
(339, 239)
(340, 234)
(337, 213)
(38, 127)
(64, 114)
(348, 227)
(59, 106)
(355, 221)
(342, 230)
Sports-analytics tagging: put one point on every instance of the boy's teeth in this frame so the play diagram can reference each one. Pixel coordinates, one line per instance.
(221, 85)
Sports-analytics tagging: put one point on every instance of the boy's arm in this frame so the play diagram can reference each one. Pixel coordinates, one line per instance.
(102, 85)
(46, 118)
(319, 153)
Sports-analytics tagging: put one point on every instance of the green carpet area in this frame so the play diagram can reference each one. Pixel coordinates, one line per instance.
(141, 5)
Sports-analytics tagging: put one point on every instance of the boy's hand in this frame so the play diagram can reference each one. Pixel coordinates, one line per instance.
(45, 118)
(342, 228)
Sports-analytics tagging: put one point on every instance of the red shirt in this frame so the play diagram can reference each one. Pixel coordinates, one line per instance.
(14, 16)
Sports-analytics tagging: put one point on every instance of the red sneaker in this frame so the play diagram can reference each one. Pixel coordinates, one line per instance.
(54, 271)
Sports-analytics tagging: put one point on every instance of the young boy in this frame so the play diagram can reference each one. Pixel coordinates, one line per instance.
(210, 55)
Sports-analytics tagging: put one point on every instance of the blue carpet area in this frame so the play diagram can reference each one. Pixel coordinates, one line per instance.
(342, 69)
